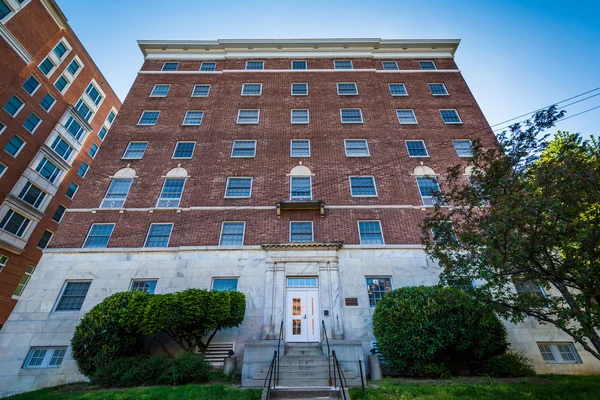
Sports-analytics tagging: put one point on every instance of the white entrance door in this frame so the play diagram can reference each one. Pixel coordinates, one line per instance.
(302, 316)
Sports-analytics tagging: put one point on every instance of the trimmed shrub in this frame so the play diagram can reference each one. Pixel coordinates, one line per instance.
(417, 327)
(509, 365)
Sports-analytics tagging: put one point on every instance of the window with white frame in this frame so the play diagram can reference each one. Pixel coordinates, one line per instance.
(356, 148)
(13, 106)
(84, 110)
(347, 88)
(428, 189)
(232, 233)
(14, 223)
(406, 116)
(24, 281)
(201, 91)
(93, 150)
(143, 285)
(102, 133)
(83, 169)
(59, 213)
(225, 284)
(70, 193)
(32, 195)
(299, 64)
(44, 240)
(243, 148)
(117, 193)
(300, 148)
(208, 66)
(158, 235)
(238, 187)
(301, 231)
(363, 186)
(60, 50)
(74, 67)
(171, 193)
(149, 118)
(2, 127)
(377, 287)
(299, 89)
(62, 148)
(48, 170)
(73, 295)
(45, 357)
(31, 85)
(300, 117)
(74, 128)
(255, 65)
(351, 115)
(390, 65)
(160, 91)
(135, 150)
(559, 353)
(450, 116)
(47, 66)
(62, 84)
(94, 94)
(251, 89)
(342, 64)
(99, 235)
(526, 286)
(248, 116)
(47, 102)
(438, 89)
(300, 188)
(184, 150)
(14, 146)
(3, 169)
(416, 148)
(32, 122)
(170, 66)
(427, 65)
(193, 117)
(304, 281)
(3, 262)
(111, 117)
(370, 232)
(463, 148)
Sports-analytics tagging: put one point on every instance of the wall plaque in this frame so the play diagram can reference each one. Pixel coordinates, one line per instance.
(351, 301)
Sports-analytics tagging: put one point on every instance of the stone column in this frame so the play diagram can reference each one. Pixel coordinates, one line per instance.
(336, 290)
(269, 317)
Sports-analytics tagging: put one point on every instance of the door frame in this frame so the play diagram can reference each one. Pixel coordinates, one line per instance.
(288, 314)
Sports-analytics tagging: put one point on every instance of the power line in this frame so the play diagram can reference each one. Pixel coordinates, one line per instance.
(583, 112)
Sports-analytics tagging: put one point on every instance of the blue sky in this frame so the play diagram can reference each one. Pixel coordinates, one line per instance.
(516, 56)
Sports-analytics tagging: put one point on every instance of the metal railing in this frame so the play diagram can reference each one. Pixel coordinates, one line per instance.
(328, 350)
(273, 372)
(340, 374)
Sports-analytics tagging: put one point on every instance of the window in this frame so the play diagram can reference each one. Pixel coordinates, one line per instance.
(117, 193)
(450, 117)
(301, 231)
(99, 235)
(201, 91)
(61, 83)
(73, 67)
(356, 148)
(398, 89)
(225, 284)
(60, 50)
(524, 286)
(342, 64)
(160, 91)
(232, 234)
(251, 89)
(248, 116)
(170, 66)
(463, 283)
(45, 357)
(45, 239)
(48, 170)
(300, 188)
(13, 106)
(14, 223)
(238, 187)
(377, 288)
(72, 190)
(62, 148)
(24, 281)
(84, 110)
(559, 353)
(351, 115)
(416, 148)
(73, 296)
(135, 150)
(94, 94)
(47, 102)
(208, 66)
(14, 146)
(302, 282)
(4, 10)
(362, 186)
(347, 89)
(32, 195)
(32, 122)
(158, 235)
(171, 193)
(143, 285)
(149, 118)
(31, 85)
(184, 150)
(370, 232)
(299, 89)
(300, 148)
(463, 148)
(111, 117)
(47, 66)
(427, 65)
(102, 133)
(93, 150)
(83, 169)
(255, 65)
(299, 117)
(3, 262)
(299, 64)
(193, 117)
(406, 117)
(2, 127)
(438, 89)
(2, 169)
(243, 148)
(429, 189)
(390, 65)
(59, 213)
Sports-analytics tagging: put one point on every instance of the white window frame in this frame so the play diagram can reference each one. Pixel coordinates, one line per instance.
(238, 197)
(49, 108)
(3, 261)
(350, 61)
(363, 195)
(169, 62)
(208, 62)
(347, 83)
(463, 140)
(67, 281)
(154, 88)
(298, 83)
(398, 95)
(242, 140)
(257, 61)
(143, 280)
(39, 85)
(105, 199)
(18, 110)
(298, 69)
(123, 157)
(160, 198)
(377, 277)
(2, 172)
(431, 198)
(362, 119)
(67, 86)
(389, 69)
(20, 148)
(252, 94)
(196, 111)
(310, 186)
(406, 123)
(292, 147)
(416, 140)
(457, 114)
(232, 222)
(349, 155)
(200, 84)
(142, 116)
(159, 223)
(48, 356)
(183, 158)
(300, 109)
(27, 227)
(380, 229)
(312, 230)
(438, 94)
(52, 70)
(248, 123)
(36, 126)
(3, 125)
(558, 358)
(431, 61)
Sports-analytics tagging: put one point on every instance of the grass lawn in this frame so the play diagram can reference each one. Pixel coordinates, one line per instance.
(543, 387)
(188, 392)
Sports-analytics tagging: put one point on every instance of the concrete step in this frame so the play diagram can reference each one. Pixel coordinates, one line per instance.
(324, 369)
(304, 358)
(308, 352)
(306, 393)
(301, 375)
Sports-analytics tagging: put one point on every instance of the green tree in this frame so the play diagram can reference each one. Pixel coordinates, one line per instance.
(528, 217)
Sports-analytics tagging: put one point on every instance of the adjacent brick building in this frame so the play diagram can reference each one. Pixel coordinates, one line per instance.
(295, 171)
(56, 110)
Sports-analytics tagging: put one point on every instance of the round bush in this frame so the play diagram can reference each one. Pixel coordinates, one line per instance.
(418, 327)
(101, 337)
(509, 365)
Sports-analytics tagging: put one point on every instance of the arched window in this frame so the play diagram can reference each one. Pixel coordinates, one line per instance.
(119, 188)
(428, 185)
(300, 183)
(172, 190)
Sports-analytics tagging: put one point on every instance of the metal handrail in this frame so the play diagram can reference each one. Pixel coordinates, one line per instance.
(338, 368)
(278, 352)
(328, 350)
(273, 372)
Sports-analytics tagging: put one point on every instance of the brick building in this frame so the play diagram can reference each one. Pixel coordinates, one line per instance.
(56, 111)
(295, 171)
